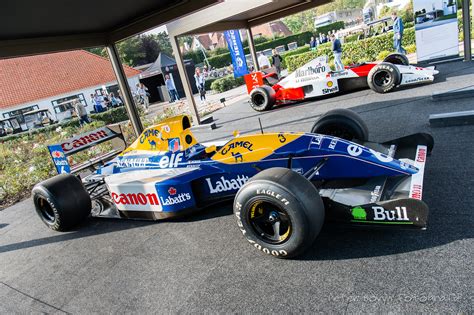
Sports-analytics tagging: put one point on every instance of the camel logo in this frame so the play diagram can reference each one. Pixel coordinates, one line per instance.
(358, 213)
(152, 144)
(237, 156)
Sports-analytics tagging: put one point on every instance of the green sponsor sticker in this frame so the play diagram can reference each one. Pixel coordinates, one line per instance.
(358, 213)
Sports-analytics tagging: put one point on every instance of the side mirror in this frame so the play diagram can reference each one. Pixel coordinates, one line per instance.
(211, 149)
(236, 133)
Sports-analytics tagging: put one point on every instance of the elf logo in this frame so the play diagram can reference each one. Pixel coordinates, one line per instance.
(224, 184)
(170, 161)
(381, 214)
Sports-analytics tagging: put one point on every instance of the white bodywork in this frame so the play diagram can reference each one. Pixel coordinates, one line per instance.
(317, 78)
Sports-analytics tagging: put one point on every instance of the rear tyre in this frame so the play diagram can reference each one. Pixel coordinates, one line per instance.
(262, 98)
(384, 77)
(397, 59)
(279, 212)
(342, 123)
(62, 202)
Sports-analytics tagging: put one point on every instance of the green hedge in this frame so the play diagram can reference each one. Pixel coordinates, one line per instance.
(208, 82)
(224, 60)
(226, 83)
(362, 50)
(330, 27)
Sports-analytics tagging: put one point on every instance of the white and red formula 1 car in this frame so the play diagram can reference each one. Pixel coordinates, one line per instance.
(317, 79)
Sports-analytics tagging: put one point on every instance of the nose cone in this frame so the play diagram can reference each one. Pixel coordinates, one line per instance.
(435, 72)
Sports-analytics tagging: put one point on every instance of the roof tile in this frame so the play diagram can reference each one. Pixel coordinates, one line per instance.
(26, 79)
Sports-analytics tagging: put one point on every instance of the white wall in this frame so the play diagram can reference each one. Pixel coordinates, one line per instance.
(46, 103)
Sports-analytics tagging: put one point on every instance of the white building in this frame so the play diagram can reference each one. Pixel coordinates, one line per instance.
(347, 16)
(49, 81)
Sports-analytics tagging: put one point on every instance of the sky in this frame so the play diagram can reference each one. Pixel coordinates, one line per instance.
(157, 30)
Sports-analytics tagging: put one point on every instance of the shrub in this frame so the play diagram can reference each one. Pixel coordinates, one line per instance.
(208, 82)
(195, 55)
(363, 50)
(226, 83)
(220, 61)
(111, 116)
(410, 49)
(224, 60)
(383, 54)
(352, 38)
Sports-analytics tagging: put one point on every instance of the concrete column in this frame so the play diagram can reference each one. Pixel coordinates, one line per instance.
(184, 79)
(125, 89)
(466, 19)
(252, 48)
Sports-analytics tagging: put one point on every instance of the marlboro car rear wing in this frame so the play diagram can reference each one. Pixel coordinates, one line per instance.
(60, 151)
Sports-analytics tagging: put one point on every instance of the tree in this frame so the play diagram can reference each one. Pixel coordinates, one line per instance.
(164, 43)
(301, 22)
(139, 50)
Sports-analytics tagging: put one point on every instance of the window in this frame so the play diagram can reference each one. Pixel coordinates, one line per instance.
(65, 104)
(110, 89)
(19, 113)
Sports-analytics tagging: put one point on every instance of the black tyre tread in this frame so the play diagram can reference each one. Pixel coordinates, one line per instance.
(374, 70)
(71, 200)
(269, 95)
(301, 190)
(397, 59)
(343, 116)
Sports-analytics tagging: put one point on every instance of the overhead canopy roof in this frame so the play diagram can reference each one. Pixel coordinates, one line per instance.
(235, 14)
(161, 62)
(32, 26)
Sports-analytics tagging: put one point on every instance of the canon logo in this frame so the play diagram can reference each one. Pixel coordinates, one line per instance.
(83, 140)
(135, 199)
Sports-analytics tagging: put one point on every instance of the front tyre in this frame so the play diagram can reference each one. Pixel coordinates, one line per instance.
(342, 123)
(397, 59)
(384, 77)
(262, 98)
(279, 212)
(62, 202)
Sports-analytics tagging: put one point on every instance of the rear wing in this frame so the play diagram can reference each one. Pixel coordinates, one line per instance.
(60, 151)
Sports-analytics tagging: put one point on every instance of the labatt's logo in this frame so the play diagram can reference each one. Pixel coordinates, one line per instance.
(224, 184)
(399, 214)
(174, 199)
(237, 144)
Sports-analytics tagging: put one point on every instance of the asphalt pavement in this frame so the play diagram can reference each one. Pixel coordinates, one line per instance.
(202, 264)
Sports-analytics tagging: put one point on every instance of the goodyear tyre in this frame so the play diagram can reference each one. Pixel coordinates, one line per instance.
(262, 98)
(397, 59)
(384, 77)
(279, 212)
(342, 123)
(62, 202)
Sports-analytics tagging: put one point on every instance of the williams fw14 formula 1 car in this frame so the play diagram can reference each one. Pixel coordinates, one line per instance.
(316, 79)
(283, 185)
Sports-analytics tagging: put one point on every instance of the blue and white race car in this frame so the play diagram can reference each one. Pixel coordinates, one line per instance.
(284, 185)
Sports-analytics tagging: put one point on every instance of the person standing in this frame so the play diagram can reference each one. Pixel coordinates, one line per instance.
(171, 89)
(398, 33)
(81, 112)
(97, 100)
(200, 84)
(263, 61)
(276, 62)
(142, 92)
(312, 43)
(337, 51)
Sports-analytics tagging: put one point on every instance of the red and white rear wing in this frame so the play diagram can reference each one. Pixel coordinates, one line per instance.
(60, 151)
(416, 185)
